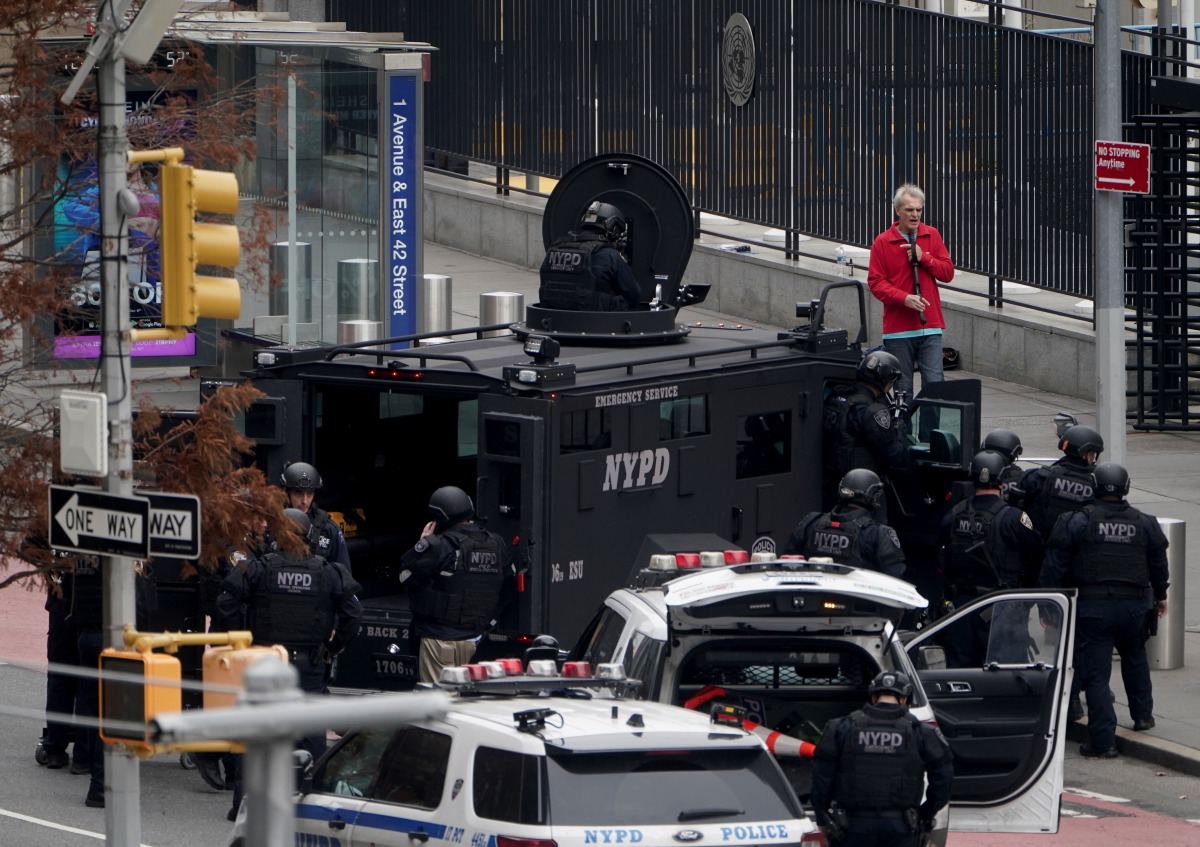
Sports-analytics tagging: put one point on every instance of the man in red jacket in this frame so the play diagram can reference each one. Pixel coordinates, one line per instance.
(912, 321)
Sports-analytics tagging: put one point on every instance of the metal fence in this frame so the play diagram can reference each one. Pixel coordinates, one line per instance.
(851, 98)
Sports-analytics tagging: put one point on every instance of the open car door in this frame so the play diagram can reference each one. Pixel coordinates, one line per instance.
(997, 673)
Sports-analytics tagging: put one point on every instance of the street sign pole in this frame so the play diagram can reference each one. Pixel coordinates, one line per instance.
(1108, 236)
(123, 816)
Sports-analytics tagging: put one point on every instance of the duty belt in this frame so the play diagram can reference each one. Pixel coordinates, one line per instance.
(883, 814)
(1104, 590)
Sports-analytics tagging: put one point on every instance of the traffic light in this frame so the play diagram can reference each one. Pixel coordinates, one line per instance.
(149, 685)
(187, 243)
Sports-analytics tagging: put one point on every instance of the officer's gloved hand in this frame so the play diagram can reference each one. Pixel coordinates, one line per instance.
(925, 817)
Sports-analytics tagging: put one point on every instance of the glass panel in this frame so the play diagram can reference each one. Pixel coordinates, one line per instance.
(587, 429)
(683, 417)
(507, 786)
(352, 768)
(764, 444)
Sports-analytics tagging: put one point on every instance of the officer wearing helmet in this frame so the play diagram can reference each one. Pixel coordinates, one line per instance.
(986, 545)
(1117, 557)
(870, 771)
(301, 482)
(848, 534)
(457, 577)
(1008, 444)
(864, 427)
(300, 600)
(1046, 493)
(586, 269)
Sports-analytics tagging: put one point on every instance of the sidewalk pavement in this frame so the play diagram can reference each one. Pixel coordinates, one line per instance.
(1164, 467)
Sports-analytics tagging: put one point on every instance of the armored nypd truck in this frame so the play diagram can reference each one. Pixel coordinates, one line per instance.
(588, 440)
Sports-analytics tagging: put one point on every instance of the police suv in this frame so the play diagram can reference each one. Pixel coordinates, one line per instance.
(542, 760)
(796, 643)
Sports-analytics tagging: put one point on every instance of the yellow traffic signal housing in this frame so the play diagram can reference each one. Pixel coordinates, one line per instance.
(127, 705)
(224, 668)
(187, 244)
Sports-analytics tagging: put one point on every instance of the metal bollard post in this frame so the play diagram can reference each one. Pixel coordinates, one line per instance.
(268, 772)
(358, 289)
(1165, 650)
(434, 303)
(500, 307)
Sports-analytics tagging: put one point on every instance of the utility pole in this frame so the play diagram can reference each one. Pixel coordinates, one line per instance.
(1108, 236)
(107, 52)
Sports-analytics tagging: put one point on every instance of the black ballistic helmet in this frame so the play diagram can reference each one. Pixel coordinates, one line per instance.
(302, 522)
(1081, 439)
(450, 505)
(879, 368)
(891, 682)
(1003, 441)
(1112, 480)
(861, 486)
(606, 217)
(300, 475)
(986, 468)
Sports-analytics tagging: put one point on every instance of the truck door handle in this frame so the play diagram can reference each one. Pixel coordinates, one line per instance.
(419, 835)
(337, 824)
(959, 687)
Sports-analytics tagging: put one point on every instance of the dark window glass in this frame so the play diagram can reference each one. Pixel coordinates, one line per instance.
(352, 768)
(508, 786)
(764, 444)
(644, 788)
(683, 417)
(414, 770)
(602, 645)
(587, 429)
(503, 438)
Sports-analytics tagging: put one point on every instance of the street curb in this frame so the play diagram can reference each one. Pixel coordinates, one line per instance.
(1146, 748)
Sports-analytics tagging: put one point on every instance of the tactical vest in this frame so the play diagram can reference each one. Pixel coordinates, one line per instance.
(1113, 549)
(568, 280)
(881, 768)
(466, 592)
(978, 556)
(87, 593)
(326, 535)
(292, 604)
(844, 452)
(1009, 477)
(1067, 487)
(838, 539)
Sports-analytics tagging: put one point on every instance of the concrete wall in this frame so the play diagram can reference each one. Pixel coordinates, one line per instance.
(1013, 343)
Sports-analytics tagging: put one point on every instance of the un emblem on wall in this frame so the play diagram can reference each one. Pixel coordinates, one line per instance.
(737, 59)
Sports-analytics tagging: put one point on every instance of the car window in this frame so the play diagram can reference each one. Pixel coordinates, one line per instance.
(414, 769)
(643, 658)
(1007, 632)
(508, 786)
(660, 787)
(602, 646)
(352, 767)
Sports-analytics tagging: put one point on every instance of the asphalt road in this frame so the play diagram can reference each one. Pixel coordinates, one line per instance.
(44, 808)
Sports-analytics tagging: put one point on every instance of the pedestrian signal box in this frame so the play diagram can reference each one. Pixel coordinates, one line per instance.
(135, 687)
(224, 668)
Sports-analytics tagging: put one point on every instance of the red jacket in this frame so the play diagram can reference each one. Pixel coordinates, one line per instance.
(890, 278)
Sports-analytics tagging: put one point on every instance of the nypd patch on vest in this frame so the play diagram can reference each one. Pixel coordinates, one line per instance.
(291, 582)
(884, 418)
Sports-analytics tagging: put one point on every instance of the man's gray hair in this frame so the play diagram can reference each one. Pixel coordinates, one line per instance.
(906, 190)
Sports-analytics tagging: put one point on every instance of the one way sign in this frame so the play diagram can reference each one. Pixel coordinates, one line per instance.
(95, 522)
(174, 525)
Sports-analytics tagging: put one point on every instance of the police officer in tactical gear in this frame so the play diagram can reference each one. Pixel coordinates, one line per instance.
(1117, 557)
(848, 534)
(865, 427)
(1008, 444)
(585, 269)
(301, 482)
(457, 576)
(870, 770)
(987, 545)
(300, 600)
(1046, 493)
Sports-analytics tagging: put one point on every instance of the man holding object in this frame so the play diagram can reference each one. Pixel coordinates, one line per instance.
(908, 260)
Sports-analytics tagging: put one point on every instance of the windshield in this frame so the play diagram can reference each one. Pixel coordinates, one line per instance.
(668, 787)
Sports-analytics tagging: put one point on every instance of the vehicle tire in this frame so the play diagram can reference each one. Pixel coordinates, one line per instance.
(186, 762)
(39, 754)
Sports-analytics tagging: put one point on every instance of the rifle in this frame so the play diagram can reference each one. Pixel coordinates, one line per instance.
(912, 260)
